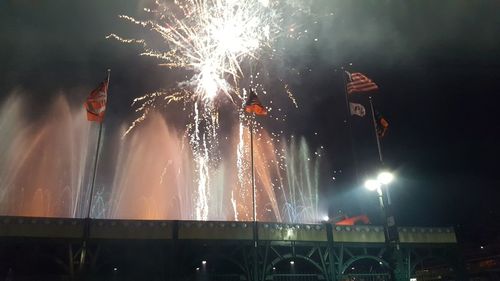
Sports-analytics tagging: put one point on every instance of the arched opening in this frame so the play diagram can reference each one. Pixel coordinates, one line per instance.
(35, 265)
(217, 266)
(432, 267)
(290, 268)
(365, 268)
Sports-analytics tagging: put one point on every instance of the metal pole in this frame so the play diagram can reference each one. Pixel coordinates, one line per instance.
(96, 155)
(254, 209)
(94, 172)
(409, 264)
(86, 227)
(380, 192)
(383, 190)
(379, 148)
(348, 121)
(376, 133)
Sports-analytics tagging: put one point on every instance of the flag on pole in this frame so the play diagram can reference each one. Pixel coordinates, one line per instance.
(359, 83)
(96, 102)
(357, 109)
(382, 124)
(253, 105)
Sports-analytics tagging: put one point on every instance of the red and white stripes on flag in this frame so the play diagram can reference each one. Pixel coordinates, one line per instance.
(359, 83)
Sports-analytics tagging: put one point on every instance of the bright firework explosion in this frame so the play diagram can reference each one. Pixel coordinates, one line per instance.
(211, 38)
(214, 40)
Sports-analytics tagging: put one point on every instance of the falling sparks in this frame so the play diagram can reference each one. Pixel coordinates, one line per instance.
(221, 45)
(211, 39)
(290, 96)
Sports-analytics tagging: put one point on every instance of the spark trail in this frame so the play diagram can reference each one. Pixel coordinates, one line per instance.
(211, 38)
(214, 41)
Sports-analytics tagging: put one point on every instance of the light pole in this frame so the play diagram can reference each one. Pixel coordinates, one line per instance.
(380, 185)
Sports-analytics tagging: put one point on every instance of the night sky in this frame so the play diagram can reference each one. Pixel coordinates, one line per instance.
(437, 64)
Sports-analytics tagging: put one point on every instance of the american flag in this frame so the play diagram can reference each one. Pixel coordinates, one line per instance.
(358, 83)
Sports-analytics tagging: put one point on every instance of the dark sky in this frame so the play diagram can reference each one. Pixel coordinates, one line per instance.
(437, 64)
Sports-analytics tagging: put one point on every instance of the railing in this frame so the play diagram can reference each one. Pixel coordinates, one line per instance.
(366, 277)
(212, 230)
(296, 277)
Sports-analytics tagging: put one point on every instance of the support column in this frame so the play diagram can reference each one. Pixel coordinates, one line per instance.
(331, 252)
(399, 264)
(71, 268)
(255, 270)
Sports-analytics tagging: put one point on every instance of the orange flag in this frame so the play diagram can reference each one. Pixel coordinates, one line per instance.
(382, 124)
(253, 105)
(96, 103)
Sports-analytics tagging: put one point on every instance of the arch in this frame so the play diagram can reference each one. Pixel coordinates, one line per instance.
(227, 261)
(352, 260)
(296, 256)
(218, 256)
(47, 258)
(420, 260)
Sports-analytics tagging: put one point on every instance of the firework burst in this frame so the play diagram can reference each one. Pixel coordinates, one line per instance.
(215, 41)
(210, 38)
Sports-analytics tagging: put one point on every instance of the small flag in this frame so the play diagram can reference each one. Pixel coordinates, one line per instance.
(253, 105)
(357, 109)
(359, 83)
(382, 125)
(96, 103)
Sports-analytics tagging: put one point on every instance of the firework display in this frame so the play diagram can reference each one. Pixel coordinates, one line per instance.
(202, 172)
(216, 41)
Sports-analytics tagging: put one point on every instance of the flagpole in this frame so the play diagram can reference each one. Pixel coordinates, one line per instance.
(97, 154)
(89, 207)
(393, 242)
(252, 167)
(348, 121)
(86, 226)
(380, 157)
(253, 105)
(254, 203)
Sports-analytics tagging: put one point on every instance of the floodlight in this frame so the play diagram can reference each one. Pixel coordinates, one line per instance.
(385, 177)
(372, 185)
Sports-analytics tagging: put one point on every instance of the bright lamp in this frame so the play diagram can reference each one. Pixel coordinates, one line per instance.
(372, 185)
(385, 177)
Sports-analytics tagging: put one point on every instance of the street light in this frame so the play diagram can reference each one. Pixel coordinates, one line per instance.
(372, 185)
(385, 177)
